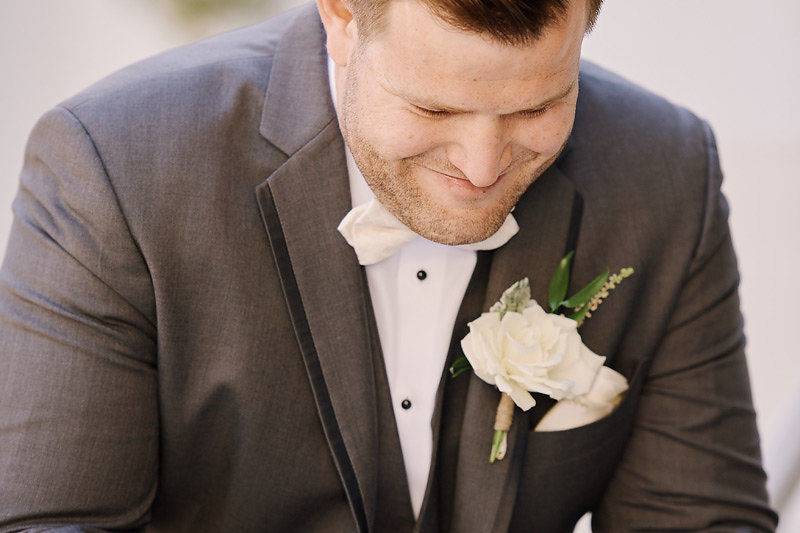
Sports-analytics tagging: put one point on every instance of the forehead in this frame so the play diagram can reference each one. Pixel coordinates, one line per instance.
(418, 51)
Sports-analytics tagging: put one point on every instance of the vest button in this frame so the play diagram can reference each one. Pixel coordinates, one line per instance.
(421, 274)
(406, 404)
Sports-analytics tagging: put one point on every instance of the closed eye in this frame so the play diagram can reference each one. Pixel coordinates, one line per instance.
(432, 113)
(530, 113)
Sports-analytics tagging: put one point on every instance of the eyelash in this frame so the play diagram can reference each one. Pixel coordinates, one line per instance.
(441, 114)
(431, 113)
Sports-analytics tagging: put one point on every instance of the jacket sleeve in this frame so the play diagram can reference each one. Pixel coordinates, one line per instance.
(693, 461)
(78, 381)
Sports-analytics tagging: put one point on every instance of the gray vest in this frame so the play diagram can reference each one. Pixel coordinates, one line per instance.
(394, 513)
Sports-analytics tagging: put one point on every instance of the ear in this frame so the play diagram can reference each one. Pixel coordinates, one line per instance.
(340, 29)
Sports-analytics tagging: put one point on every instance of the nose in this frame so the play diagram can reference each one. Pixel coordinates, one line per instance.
(481, 151)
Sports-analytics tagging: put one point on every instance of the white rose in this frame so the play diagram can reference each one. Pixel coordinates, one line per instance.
(531, 351)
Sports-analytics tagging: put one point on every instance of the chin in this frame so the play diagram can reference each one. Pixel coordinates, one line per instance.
(459, 226)
(447, 218)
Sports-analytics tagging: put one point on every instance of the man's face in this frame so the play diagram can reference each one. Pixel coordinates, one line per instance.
(454, 176)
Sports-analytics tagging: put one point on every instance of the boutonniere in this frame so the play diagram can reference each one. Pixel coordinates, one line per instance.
(521, 348)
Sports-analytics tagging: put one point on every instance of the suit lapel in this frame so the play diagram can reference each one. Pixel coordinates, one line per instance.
(302, 203)
(549, 217)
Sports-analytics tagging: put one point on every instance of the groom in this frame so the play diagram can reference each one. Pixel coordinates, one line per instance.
(193, 340)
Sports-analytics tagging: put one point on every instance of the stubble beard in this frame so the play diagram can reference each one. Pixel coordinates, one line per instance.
(396, 188)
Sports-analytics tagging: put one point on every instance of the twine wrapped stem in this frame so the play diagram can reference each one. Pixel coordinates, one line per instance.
(502, 423)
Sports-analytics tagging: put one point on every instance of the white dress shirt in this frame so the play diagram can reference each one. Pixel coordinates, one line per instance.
(416, 294)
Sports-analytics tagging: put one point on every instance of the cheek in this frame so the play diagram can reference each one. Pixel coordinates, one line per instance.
(547, 134)
(390, 130)
(397, 136)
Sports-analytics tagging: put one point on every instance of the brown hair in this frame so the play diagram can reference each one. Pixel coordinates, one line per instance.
(512, 22)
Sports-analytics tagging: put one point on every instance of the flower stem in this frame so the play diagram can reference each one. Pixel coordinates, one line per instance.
(502, 423)
(498, 450)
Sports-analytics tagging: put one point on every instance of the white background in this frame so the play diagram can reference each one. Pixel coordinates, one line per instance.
(732, 62)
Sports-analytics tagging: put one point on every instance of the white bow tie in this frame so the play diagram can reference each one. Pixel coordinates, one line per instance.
(375, 233)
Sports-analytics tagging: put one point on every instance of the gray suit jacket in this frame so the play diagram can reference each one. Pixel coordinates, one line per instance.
(183, 329)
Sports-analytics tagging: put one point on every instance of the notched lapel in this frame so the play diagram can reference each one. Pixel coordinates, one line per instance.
(548, 215)
(301, 204)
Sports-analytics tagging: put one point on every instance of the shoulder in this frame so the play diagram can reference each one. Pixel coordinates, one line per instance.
(629, 145)
(189, 71)
(179, 123)
(186, 92)
(646, 169)
(176, 109)
(617, 115)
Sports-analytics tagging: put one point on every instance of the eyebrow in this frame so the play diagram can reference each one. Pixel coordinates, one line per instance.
(436, 106)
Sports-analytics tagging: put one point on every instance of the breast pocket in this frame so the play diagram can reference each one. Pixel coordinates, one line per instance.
(553, 449)
(566, 471)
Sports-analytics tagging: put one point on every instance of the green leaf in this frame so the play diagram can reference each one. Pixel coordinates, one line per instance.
(585, 294)
(558, 285)
(460, 365)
